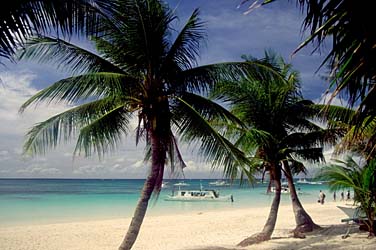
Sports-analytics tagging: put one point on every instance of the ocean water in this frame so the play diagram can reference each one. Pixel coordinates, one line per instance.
(29, 201)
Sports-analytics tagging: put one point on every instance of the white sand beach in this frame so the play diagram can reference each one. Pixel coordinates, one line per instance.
(205, 230)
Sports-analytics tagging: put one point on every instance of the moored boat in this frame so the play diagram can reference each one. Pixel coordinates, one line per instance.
(198, 195)
(219, 183)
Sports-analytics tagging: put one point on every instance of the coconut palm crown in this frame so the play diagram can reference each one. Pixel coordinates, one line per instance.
(138, 71)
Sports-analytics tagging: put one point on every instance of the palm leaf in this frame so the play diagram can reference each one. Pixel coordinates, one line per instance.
(63, 126)
(86, 86)
(193, 128)
(64, 54)
(104, 133)
(23, 18)
(185, 49)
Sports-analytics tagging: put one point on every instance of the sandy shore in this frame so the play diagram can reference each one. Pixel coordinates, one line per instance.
(205, 230)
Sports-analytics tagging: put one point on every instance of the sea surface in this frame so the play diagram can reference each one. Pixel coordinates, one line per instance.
(30, 201)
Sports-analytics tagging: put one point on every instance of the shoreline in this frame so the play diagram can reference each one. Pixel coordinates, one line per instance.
(205, 230)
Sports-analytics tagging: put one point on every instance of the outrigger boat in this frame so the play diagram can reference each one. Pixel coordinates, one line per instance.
(198, 195)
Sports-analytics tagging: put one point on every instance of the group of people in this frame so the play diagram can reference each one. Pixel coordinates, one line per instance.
(322, 196)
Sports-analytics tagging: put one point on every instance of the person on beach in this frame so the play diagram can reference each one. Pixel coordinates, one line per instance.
(348, 195)
(321, 197)
(334, 196)
(342, 196)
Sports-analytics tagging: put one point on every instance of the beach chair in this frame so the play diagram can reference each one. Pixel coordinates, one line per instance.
(355, 217)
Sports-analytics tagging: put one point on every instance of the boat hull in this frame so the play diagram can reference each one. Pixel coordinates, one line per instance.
(198, 199)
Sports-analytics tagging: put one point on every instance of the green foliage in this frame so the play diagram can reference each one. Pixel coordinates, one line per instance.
(345, 174)
(21, 19)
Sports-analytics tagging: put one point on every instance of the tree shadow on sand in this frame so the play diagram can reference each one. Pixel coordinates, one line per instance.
(328, 237)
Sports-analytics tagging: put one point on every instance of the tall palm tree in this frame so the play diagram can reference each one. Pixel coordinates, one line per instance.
(21, 19)
(362, 179)
(277, 131)
(139, 71)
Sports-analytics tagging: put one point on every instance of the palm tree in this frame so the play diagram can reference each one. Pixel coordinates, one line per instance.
(362, 179)
(21, 19)
(139, 71)
(277, 131)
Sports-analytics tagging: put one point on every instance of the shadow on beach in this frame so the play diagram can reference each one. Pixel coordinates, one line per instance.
(328, 237)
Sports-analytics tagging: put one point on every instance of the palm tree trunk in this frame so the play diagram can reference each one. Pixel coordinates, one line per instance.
(304, 222)
(267, 231)
(158, 161)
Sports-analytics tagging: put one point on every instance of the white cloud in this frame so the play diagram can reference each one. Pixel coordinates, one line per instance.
(138, 164)
(40, 170)
(337, 101)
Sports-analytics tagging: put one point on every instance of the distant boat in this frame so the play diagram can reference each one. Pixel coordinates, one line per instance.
(198, 195)
(180, 184)
(219, 183)
(304, 181)
(164, 184)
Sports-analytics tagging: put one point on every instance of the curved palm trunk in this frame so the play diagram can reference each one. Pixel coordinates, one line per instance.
(267, 231)
(158, 161)
(304, 222)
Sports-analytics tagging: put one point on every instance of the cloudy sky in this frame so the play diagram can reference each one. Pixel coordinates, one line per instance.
(230, 35)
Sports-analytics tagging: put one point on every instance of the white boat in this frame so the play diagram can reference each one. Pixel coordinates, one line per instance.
(164, 184)
(198, 195)
(180, 184)
(219, 183)
(304, 181)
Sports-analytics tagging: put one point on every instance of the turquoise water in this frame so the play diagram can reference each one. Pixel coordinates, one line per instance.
(28, 201)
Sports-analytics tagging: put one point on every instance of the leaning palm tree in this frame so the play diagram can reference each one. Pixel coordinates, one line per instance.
(21, 19)
(273, 113)
(138, 71)
(362, 179)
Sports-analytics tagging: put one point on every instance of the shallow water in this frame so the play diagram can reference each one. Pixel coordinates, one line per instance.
(28, 201)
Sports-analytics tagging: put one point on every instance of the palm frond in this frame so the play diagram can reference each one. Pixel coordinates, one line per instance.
(210, 110)
(82, 87)
(20, 19)
(62, 127)
(313, 155)
(322, 137)
(104, 133)
(63, 54)
(201, 79)
(185, 49)
(176, 159)
(216, 149)
(250, 139)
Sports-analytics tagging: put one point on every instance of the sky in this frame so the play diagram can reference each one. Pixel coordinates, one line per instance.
(230, 34)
